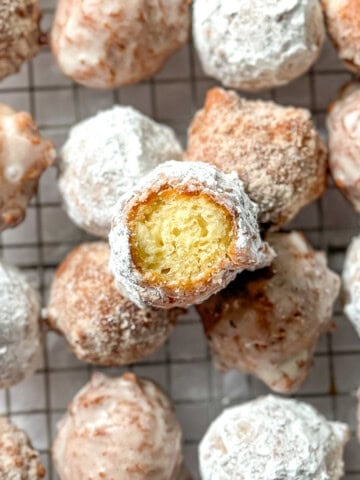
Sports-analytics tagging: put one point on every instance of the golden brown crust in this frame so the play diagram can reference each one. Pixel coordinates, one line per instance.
(247, 251)
(275, 150)
(100, 324)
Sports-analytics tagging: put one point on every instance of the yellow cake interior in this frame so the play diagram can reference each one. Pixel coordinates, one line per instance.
(179, 238)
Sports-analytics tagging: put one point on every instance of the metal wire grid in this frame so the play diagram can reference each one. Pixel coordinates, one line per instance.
(183, 366)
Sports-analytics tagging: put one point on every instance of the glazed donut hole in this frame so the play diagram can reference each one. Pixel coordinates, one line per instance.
(180, 237)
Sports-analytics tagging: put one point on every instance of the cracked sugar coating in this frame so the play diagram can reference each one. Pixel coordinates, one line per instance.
(268, 322)
(24, 155)
(20, 337)
(20, 35)
(112, 43)
(99, 323)
(199, 197)
(18, 459)
(343, 124)
(273, 438)
(104, 157)
(351, 283)
(121, 427)
(275, 150)
(286, 39)
(343, 23)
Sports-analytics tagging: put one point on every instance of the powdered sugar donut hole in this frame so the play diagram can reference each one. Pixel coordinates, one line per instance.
(104, 157)
(270, 438)
(20, 338)
(257, 44)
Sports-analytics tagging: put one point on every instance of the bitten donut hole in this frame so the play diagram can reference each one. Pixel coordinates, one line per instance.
(179, 237)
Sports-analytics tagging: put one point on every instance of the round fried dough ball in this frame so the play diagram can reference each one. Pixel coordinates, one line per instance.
(273, 438)
(99, 323)
(275, 150)
(112, 43)
(268, 322)
(18, 459)
(24, 155)
(257, 44)
(343, 124)
(182, 233)
(121, 428)
(20, 337)
(343, 23)
(20, 35)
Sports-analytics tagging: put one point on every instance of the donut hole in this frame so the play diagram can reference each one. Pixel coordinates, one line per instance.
(179, 238)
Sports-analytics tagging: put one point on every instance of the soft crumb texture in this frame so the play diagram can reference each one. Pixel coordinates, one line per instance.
(343, 23)
(99, 323)
(110, 43)
(183, 187)
(275, 150)
(273, 438)
(18, 460)
(24, 155)
(20, 34)
(268, 322)
(257, 44)
(19, 327)
(119, 428)
(159, 244)
(104, 157)
(343, 123)
(351, 283)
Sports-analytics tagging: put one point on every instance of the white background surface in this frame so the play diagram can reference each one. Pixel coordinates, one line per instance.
(182, 367)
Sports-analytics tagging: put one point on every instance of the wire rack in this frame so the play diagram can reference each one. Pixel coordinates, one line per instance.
(183, 366)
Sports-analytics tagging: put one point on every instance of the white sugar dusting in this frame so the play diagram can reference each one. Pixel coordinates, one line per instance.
(255, 44)
(104, 157)
(273, 439)
(227, 190)
(19, 327)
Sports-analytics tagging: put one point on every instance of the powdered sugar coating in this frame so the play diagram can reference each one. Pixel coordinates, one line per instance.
(343, 22)
(20, 338)
(343, 124)
(112, 43)
(268, 322)
(24, 155)
(18, 460)
(351, 283)
(227, 190)
(20, 34)
(99, 323)
(273, 438)
(119, 428)
(275, 150)
(256, 44)
(104, 157)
